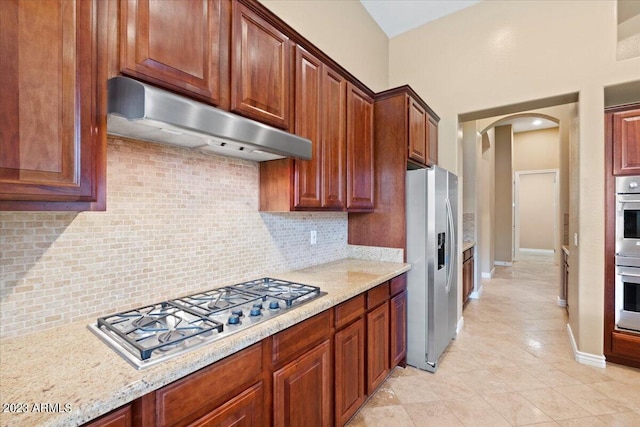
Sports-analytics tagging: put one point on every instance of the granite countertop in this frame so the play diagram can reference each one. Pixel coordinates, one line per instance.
(467, 244)
(67, 376)
(565, 248)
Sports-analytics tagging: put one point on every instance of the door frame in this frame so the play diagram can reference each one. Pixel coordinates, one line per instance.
(516, 205)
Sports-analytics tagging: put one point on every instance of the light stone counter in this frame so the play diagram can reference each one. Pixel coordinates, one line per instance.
(70, 367)
(467, 245)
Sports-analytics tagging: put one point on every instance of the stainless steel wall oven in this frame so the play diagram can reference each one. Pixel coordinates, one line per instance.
(627, 217)
(628, 298)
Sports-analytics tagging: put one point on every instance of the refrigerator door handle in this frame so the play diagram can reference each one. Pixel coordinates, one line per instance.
(452, 239)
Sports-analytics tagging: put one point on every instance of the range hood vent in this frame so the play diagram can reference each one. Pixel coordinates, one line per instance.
(139, 111)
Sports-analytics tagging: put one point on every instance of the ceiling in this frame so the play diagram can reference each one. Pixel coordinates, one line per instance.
(398, 16)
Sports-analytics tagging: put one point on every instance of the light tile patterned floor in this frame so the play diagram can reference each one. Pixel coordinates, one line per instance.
(512, 364)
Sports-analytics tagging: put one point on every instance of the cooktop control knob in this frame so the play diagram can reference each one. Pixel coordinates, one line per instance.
(257, 305)
(633, 185)
(237, 313)
(234, 319)
(274, 305)
(255, 311)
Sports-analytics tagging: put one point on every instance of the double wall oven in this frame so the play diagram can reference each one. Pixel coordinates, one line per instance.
(627, 289)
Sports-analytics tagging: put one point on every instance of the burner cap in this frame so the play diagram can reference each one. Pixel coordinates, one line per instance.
(144, 321)
(170, 336)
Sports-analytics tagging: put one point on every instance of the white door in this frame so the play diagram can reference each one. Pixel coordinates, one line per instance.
(536, 211)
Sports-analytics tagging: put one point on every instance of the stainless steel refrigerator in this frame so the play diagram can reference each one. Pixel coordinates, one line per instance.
(432, 206)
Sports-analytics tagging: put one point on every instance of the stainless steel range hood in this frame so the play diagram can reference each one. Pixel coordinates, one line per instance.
(139, 111)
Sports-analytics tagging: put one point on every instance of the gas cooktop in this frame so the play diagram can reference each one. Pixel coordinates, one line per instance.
(148, 335)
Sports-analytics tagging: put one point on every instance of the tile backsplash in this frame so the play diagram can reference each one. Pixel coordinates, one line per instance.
(177, 221)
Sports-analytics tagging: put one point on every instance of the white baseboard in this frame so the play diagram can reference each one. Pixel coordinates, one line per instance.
(460, 325)
(585, 358)
(476, 294)
(562, 302)
(503, 263)
(538, 251)
(489, 275)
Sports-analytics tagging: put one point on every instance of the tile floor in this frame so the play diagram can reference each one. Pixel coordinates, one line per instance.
(512, 364)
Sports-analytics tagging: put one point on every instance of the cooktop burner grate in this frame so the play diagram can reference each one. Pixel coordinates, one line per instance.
(147, 335)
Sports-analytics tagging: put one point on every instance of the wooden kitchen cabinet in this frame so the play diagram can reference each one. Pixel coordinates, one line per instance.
(432, 140)
(244, 410)
(378, 366)
(467, 274)
(340, 175)
(302, 392)
(227, 389)
(320, 95)
(360, 161)
(52, 130)
(417, 132)
(622, 157)
(405, 132)
(350, 392)
(398, 321)
(260, 68)
(625, 129)
(121, 417)
(180, 45)
(422, 133)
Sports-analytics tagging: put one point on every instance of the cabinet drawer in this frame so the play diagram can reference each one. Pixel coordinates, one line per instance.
(245, 409)
(398, 284)
(625, 345)
(467, 255)
(377, 295)
(349, 311)
(202, 391)
(297, 339)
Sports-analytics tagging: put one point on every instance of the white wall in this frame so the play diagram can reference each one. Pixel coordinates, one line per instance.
(499, 53)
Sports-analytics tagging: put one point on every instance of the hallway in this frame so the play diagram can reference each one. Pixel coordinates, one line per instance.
(512, 364)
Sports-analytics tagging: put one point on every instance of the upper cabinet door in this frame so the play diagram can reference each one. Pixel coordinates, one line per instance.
(334, 143)
(626, 142)
(432, 141)
(359, 150)
(52, 140)
(260, 68)
(182, 45)
(308, 173)
(417, 132)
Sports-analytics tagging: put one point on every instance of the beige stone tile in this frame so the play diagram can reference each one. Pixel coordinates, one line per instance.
(516, 409)
(583, 373)
(453, 388)
(518, 379)
(623, 419)
(476, 412)
(591, 400)
(458, 361)
(384, 396)
(434, 414)
(554, 404)
(583, 422)
(553, 377)
(382, 417)
(412, 389)
(484, 382)
(621, 392)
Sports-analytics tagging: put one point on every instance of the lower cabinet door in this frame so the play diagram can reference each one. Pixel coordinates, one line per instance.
(302, 390)
(244, 410)
(119, 418)
(349, 371)
(377, 346)
(398, 312)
